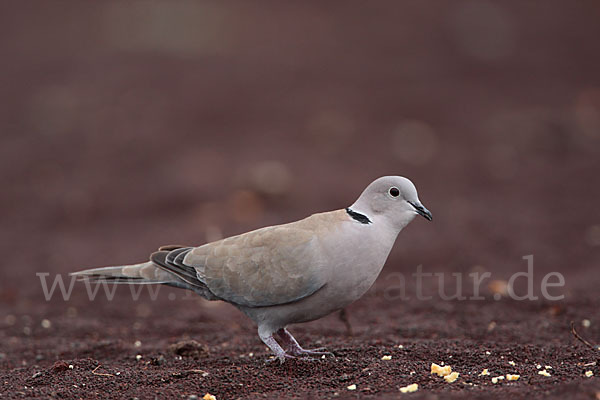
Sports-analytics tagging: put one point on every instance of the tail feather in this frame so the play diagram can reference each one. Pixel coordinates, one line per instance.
(143, 273)
(159, 270)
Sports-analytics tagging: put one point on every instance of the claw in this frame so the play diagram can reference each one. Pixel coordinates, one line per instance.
(314, 352)
(292, 346)
(281, 358)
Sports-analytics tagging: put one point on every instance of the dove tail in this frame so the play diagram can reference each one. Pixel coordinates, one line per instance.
(143, 273)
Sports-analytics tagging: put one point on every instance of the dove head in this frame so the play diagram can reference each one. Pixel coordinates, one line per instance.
(392, 198)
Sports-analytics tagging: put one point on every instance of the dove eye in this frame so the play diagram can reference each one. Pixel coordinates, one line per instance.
(394, 192)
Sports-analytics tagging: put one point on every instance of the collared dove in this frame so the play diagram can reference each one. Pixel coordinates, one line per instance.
(291, 273)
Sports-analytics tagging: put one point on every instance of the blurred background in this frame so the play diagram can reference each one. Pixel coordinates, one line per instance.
(129, 125)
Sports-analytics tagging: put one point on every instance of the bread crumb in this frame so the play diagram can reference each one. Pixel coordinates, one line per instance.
(497, 378)
(439, 370)
(386, 358)
(547, 367)
(589, 374)
(452, 377)
(538, 366)
(138, 357)
(487, 353)
(512, 363)
(209, 396)
(484, 372)
(510, 377)
(351, 387)
(410, 388)
(400, 346)
(544, 372)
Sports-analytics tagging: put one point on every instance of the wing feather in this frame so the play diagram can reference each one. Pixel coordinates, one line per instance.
(269, 266)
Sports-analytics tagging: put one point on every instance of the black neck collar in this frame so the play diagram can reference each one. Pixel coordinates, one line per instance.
(363, 219)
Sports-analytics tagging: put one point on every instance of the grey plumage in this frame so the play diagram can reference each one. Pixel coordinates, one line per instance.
(288, 273)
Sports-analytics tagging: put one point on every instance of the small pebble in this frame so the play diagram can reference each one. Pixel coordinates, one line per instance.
(46, 324)
(60, 366)
(137, 343)
(138, 357)
(160, 360)
(586, 323)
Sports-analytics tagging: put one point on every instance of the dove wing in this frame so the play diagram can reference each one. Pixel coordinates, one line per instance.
(270, 266)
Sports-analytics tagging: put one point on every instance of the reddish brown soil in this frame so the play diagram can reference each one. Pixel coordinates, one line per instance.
(122, 132)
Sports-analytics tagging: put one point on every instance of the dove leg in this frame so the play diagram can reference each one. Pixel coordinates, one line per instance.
(267, 338)
(294, 348)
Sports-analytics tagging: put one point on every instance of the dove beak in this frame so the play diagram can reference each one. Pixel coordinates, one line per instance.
(421, 210)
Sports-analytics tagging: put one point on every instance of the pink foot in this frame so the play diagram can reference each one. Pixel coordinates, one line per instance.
(294, 348)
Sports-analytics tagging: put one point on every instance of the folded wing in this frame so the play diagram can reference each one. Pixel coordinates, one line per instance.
(269, 266)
